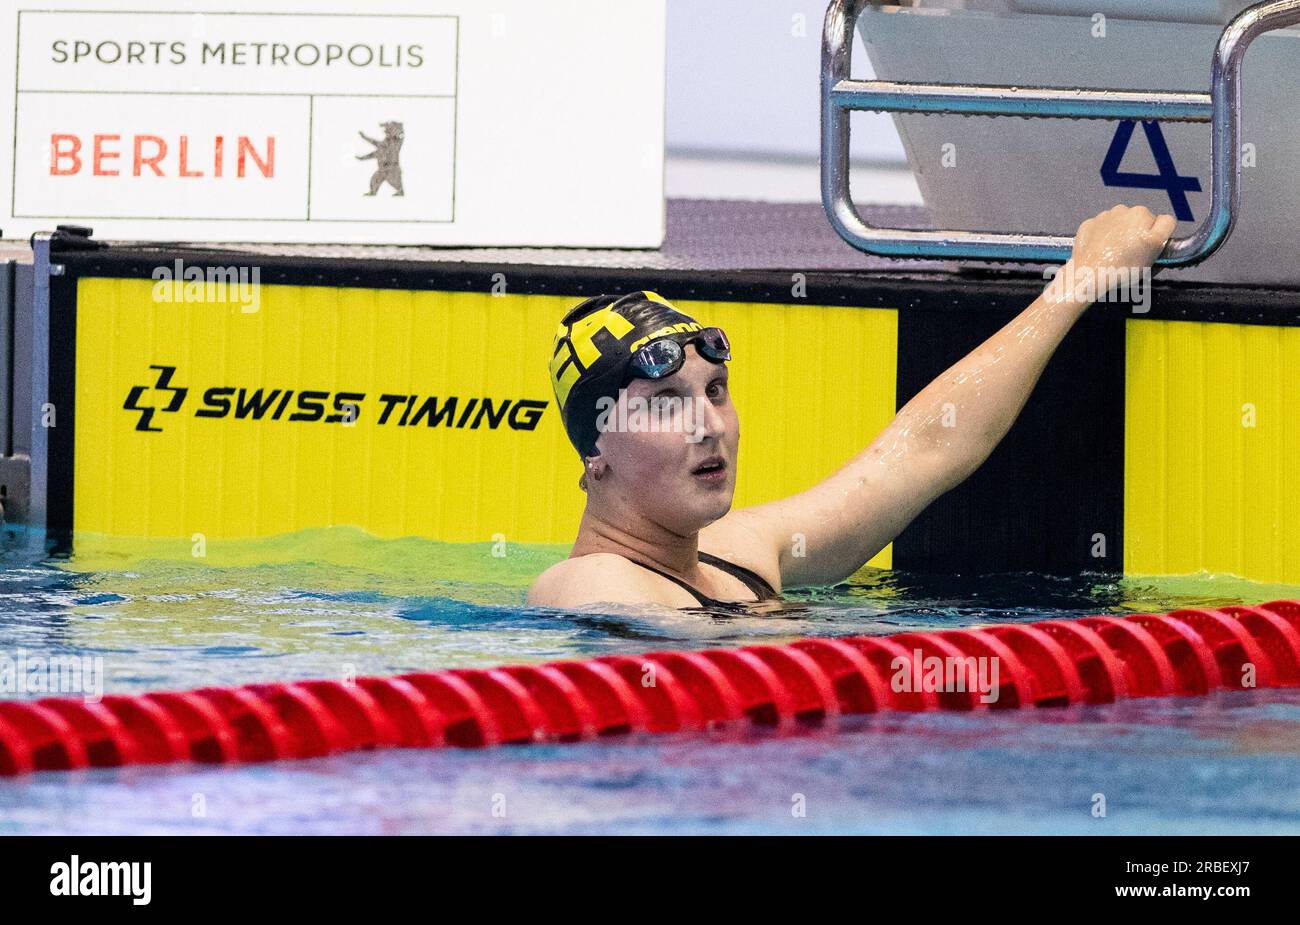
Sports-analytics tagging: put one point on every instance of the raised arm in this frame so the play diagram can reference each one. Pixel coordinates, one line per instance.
(825, 534)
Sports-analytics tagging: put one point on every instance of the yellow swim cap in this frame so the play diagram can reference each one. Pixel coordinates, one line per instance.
(593, 347)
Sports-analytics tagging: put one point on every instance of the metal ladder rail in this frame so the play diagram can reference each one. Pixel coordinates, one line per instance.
(1221, 107)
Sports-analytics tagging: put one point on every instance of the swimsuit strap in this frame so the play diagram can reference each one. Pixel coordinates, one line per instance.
(752, 580)
(705, 600)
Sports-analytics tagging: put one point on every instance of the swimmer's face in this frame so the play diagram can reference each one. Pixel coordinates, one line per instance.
(671, 451)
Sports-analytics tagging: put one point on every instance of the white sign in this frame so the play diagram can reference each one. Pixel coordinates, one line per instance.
(473, 122)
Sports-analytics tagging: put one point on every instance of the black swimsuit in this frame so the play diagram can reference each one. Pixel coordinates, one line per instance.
(754, 581)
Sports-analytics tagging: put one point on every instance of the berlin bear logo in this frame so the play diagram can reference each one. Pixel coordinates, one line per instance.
(386, 153)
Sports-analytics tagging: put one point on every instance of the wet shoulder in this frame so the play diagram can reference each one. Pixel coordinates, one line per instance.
(595, 578)
(737, 540)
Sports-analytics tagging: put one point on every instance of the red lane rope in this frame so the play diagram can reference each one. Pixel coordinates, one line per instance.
(1051, 663)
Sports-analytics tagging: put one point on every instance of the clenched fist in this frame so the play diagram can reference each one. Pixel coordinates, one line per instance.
(1125, 237)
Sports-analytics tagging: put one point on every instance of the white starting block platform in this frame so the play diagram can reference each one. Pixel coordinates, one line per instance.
(1046, 175)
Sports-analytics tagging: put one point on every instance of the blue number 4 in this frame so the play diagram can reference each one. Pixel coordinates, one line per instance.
(1167, 179)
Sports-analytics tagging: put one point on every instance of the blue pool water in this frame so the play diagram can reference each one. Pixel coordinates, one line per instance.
(333, 602)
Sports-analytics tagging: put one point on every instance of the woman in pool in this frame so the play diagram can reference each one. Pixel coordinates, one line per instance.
(643, 392)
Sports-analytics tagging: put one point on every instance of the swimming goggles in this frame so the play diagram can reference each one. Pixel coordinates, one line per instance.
(661, 358)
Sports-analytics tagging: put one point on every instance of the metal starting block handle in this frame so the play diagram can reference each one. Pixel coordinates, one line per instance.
(1221, 107)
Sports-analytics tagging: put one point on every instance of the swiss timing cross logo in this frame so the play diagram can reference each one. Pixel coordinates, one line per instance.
(163, 384)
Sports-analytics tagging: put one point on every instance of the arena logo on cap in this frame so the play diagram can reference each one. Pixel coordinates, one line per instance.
(683, 327)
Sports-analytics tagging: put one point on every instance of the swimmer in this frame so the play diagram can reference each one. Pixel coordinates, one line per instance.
(642, 389)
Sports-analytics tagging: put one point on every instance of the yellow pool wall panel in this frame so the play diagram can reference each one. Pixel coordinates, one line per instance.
(1212, 449)
(813, 384)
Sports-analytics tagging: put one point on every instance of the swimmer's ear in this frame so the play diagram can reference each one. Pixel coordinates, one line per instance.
(590, 468)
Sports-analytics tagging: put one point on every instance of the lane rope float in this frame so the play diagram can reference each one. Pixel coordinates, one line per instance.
(1050, 663)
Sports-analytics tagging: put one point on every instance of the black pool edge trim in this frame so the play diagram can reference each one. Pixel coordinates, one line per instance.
(965, 291)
